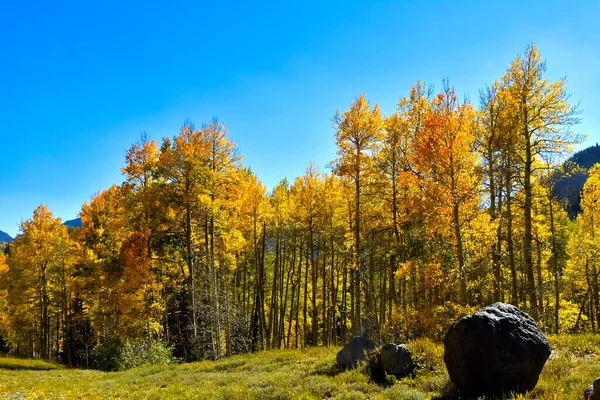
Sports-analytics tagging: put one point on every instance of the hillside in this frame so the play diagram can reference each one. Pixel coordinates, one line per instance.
(73, 223)
(289, 374)
(568, 184)
(5, 237)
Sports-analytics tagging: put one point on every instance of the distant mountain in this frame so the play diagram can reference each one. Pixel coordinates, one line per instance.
(73, 223)
(5, 237)
(586, 158)
(568, 184)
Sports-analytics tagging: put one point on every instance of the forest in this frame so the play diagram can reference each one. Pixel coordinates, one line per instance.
(424, 215)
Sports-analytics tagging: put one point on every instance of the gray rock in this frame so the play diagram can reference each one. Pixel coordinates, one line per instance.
(592, 392)
(354, 351)
(396, 360)
(497, 350)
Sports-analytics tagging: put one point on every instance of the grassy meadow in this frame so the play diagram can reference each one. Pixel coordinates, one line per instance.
(287, 374)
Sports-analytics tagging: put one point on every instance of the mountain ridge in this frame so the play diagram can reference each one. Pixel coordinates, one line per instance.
(70, 224)
(5, 237)
(73, 223)
(569, 182)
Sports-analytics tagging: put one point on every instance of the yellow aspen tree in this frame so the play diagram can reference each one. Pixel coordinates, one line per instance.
(309, 200)
(544, 121)
(38, 266)
(357, 131)
(182, 166)
(445, 160)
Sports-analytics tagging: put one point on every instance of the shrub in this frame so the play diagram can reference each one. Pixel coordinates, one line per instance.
(141, 353)
(106, 354)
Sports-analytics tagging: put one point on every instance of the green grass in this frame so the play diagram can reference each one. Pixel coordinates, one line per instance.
(286, 374)
(21, 364)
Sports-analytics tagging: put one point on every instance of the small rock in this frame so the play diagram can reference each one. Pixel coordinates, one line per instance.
(396, 360)
(354, 351)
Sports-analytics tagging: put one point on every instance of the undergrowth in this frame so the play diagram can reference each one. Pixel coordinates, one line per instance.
(289, 374)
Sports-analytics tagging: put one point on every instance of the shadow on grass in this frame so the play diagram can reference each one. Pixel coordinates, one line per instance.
(452, 395)
(449, 392)
(328, 370)
(229, 365)
(33, 364)
(386, 384)
(27, 365)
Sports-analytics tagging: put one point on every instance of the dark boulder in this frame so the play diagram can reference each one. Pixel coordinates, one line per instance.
(357, 349)
(495, 351)
(396, 360)
(390, 359)
(592, 392)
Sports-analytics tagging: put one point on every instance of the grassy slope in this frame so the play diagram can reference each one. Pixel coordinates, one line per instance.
(287, 374)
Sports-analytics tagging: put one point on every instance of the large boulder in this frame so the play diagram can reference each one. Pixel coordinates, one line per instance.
(396, 360)
(495, 351)
(592, 392)
(358, 348)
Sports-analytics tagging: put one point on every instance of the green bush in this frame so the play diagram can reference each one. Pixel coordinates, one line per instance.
(106, 354)
(141, 353)
(110, 354)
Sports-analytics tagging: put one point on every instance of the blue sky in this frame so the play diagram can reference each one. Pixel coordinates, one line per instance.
(79, 81)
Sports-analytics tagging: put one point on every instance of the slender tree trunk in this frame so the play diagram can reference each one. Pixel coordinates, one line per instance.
(357, 328)
(263, 319)
(190, 262)
(494, 214)
(510, 242)
(215, 284)
(324, 319)
(305, 310)
(293, 295)
(383, 297)
(344, 299)
(314, 276)
(333, 292)
(592, 293)
(556, 266)
(539, 277)
(284, 301)
(528, 237)
(273, 321)
(460, 255)
(301, 249)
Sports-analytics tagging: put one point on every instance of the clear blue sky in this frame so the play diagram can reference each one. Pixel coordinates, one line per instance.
(80, 80)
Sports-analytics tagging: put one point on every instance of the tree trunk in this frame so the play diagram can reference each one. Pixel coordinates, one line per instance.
(556, 267)
(510, 242)
(314, 278)
(528, 237)
(460, 255)
(190, 262)
(357, 328)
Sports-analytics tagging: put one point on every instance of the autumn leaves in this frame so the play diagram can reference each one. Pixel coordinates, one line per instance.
(428, 211)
